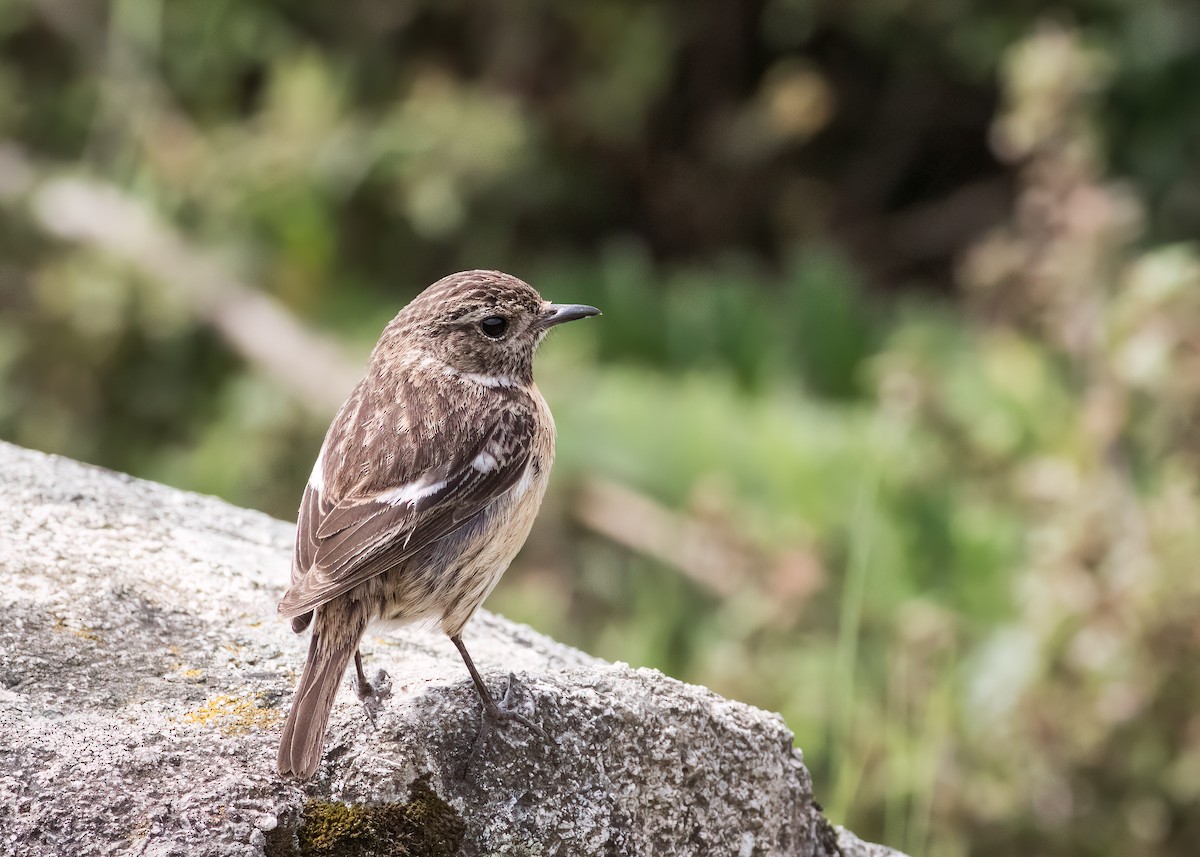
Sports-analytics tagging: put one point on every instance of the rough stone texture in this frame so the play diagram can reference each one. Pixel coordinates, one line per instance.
(143, 677)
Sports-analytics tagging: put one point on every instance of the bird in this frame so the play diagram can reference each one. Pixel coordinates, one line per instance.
(425, 487)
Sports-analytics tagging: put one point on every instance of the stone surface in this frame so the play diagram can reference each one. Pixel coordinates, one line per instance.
(143, 679)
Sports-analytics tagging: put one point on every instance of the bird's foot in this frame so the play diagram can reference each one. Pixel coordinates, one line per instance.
(495, 713)
(505, 710)
(373, 693)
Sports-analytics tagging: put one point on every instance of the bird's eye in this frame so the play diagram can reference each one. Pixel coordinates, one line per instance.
(493, 326)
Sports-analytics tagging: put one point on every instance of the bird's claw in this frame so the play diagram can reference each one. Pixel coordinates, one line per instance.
(495, 713)
(373, 693)
(505, 710)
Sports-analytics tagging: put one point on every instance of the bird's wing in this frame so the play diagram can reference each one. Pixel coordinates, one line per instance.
(340, 544)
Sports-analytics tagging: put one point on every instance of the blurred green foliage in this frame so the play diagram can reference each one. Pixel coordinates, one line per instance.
(890, 421)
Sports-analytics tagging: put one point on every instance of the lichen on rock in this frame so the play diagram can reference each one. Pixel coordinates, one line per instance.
(234, 714)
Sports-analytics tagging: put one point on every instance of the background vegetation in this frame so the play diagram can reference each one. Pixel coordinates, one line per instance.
(890, 423)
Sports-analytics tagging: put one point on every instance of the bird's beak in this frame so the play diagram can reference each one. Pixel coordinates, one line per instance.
(558, 313)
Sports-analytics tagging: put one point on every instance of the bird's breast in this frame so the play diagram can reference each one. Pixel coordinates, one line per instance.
(456, 573)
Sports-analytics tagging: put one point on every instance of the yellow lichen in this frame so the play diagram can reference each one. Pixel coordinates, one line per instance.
(233, 715)
(84, 632)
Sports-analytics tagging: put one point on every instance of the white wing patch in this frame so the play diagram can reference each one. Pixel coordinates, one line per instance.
(485, 462)
(316, 479)
(526, 480)
(410, 493)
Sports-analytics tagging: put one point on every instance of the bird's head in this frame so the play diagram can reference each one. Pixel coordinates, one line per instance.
(482, 324)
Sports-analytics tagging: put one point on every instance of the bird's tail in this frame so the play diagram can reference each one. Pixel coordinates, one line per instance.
(329, 651)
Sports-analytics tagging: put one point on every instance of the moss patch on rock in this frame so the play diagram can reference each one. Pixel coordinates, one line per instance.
(424, 826)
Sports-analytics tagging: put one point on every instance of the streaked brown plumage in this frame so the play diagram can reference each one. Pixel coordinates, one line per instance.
(425, 488)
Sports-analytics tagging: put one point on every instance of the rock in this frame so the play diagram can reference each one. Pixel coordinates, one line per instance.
(143, 678)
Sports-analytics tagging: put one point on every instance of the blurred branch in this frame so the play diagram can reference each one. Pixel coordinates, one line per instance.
(637, 522)
(78, 21)
(100, 215)
(711, 556)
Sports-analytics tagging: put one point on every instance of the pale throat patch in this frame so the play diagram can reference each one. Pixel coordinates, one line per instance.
(485, 380)
(430, 362)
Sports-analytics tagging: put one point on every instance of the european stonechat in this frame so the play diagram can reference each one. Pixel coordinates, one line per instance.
(425, 488)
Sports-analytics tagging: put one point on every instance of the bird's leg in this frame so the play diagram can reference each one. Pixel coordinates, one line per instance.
(494, 712)
(371, 695)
